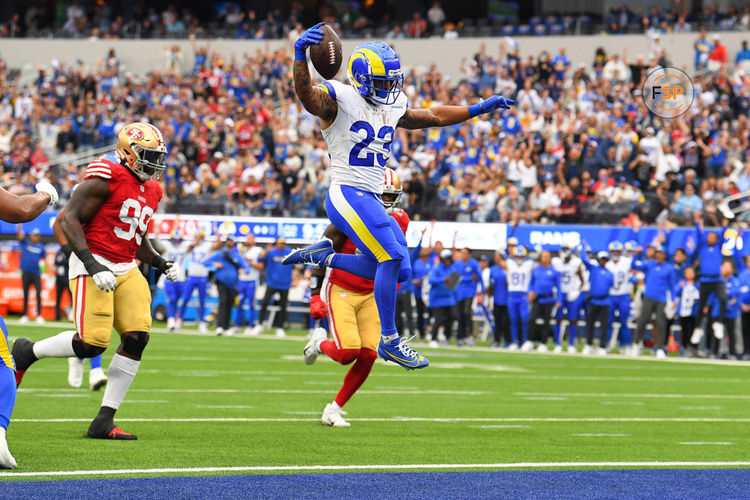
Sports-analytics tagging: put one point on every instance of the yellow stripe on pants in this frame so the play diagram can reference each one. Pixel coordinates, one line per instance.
(347, 212)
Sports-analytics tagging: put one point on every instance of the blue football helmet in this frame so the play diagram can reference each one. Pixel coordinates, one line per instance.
(520, 252)
(631, 245)
(375, 71)
(615, 246)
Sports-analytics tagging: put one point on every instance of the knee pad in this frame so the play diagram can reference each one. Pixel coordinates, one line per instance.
(367, 355)
(349, 355)
(84, 350)
(133, 343)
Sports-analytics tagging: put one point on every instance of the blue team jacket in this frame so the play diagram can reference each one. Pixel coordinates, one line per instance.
(231, 262)
(440, 294)
(660, 279)
(545, 283)
(710, 256)
(499, 285)
(471, 275)
(601, 280)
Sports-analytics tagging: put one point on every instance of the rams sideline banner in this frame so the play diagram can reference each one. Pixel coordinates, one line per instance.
(465, 234)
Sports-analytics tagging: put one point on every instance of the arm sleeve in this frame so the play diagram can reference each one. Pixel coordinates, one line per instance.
(215, 257)
(558, 287)
(478, 272)
(585, 261)
(435, 277)
(638, 265)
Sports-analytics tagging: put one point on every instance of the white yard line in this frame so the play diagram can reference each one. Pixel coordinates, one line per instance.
(634, 395)
(276, 391)
(406, 419)
(390, 467)
(636, 403)
(700, 443)
(500, 426)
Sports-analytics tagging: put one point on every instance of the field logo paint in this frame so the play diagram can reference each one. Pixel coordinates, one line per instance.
(668, 92)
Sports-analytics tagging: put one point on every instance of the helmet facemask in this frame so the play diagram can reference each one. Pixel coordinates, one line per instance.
(149, 163)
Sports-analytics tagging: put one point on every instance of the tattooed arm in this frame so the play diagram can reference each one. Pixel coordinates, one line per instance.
(314, 99)
(442, 116)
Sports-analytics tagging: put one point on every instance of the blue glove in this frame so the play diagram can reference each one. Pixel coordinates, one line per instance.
(310, 37)
(490, 105)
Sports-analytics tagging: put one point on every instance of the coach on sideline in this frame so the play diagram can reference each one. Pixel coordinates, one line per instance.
(227, 263)
(32, 253)
(278, 281)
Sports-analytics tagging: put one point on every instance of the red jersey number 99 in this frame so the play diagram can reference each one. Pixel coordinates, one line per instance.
(136, 219)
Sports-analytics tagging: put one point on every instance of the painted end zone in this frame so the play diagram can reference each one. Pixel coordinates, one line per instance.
(680, 483)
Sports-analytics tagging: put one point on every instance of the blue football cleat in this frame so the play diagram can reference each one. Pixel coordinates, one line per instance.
(400, 353)
(314, 256)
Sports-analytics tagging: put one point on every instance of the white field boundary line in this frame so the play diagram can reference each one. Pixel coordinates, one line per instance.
(299, 338)
(631, 395)
(403, 419)
(331, 468)
(263, 391)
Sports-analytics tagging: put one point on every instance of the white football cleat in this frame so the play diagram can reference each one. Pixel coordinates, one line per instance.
(513, 347)
(219, 330)
(280, 333)
(312, 348)
(587, 350)
(718, 329)
(178, 324)
(39, 320)
(697, 336)
(6, 459)
(202, 327)
(97, 378)
(572, 349)
(170, 325)
(23, 320)
(333, 418)
(527, 346)
(257, 330)
(75, 372)
(635, 350)
(542, 348)
(433, 344)
(558, 349)
(601, 351)
(660, 354)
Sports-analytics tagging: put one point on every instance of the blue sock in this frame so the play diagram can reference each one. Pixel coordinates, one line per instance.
(359, 265)
(525, 328)
(96, 361)
(557, 333)
(7, 395)
(385, 295)
(573, 329)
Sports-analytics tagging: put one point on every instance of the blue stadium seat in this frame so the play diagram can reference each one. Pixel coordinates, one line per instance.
(726, 24)
(523, 29)
(508, 30)
(535, 20)
(540, 29)
(556, 29)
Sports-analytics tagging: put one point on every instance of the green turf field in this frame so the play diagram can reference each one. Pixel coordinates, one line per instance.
(201, 402)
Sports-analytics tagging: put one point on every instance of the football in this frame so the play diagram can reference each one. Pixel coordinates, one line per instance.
(326, 56)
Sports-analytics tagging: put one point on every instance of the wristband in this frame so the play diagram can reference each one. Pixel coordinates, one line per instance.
(475, 110)
(300, 54)
(90, 263)
(314, 282)
(66, 250)
(158, 262)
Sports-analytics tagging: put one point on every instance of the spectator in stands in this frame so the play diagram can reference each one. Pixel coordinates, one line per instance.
(418, 26)
(32, 254)
(435, 16)
(227, 264)
(278, 281)
(686, 205)
(718, 58)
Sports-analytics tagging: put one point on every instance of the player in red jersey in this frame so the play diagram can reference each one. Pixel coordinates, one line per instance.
(349, 304)
(106, 223)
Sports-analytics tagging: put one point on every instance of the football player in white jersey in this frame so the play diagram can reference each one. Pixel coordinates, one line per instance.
(197, 278)
(248, 284)
(571, 272)
(358, 122)
(174, 250)
(619, 295)
(518, 272)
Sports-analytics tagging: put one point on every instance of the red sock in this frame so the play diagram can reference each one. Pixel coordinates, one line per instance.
(343, 356)
(356, 375)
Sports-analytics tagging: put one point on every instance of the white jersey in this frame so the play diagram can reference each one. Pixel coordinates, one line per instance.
(194, 260)
(252, 255)
(570, 276)
(519, 274)
(359, 139)
(688, 298)
(621, 272)
(175, 251)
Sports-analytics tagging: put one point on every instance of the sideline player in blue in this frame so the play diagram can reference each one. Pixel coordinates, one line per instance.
(602, 280)
(197, 278)
(545, 293)
(358, 124)
(518, 270)
(16, 209)
(499, 290)
(708, 250)
(175, 249)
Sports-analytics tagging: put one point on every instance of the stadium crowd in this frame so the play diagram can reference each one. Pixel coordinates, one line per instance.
(105, 20)
(579, 146)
